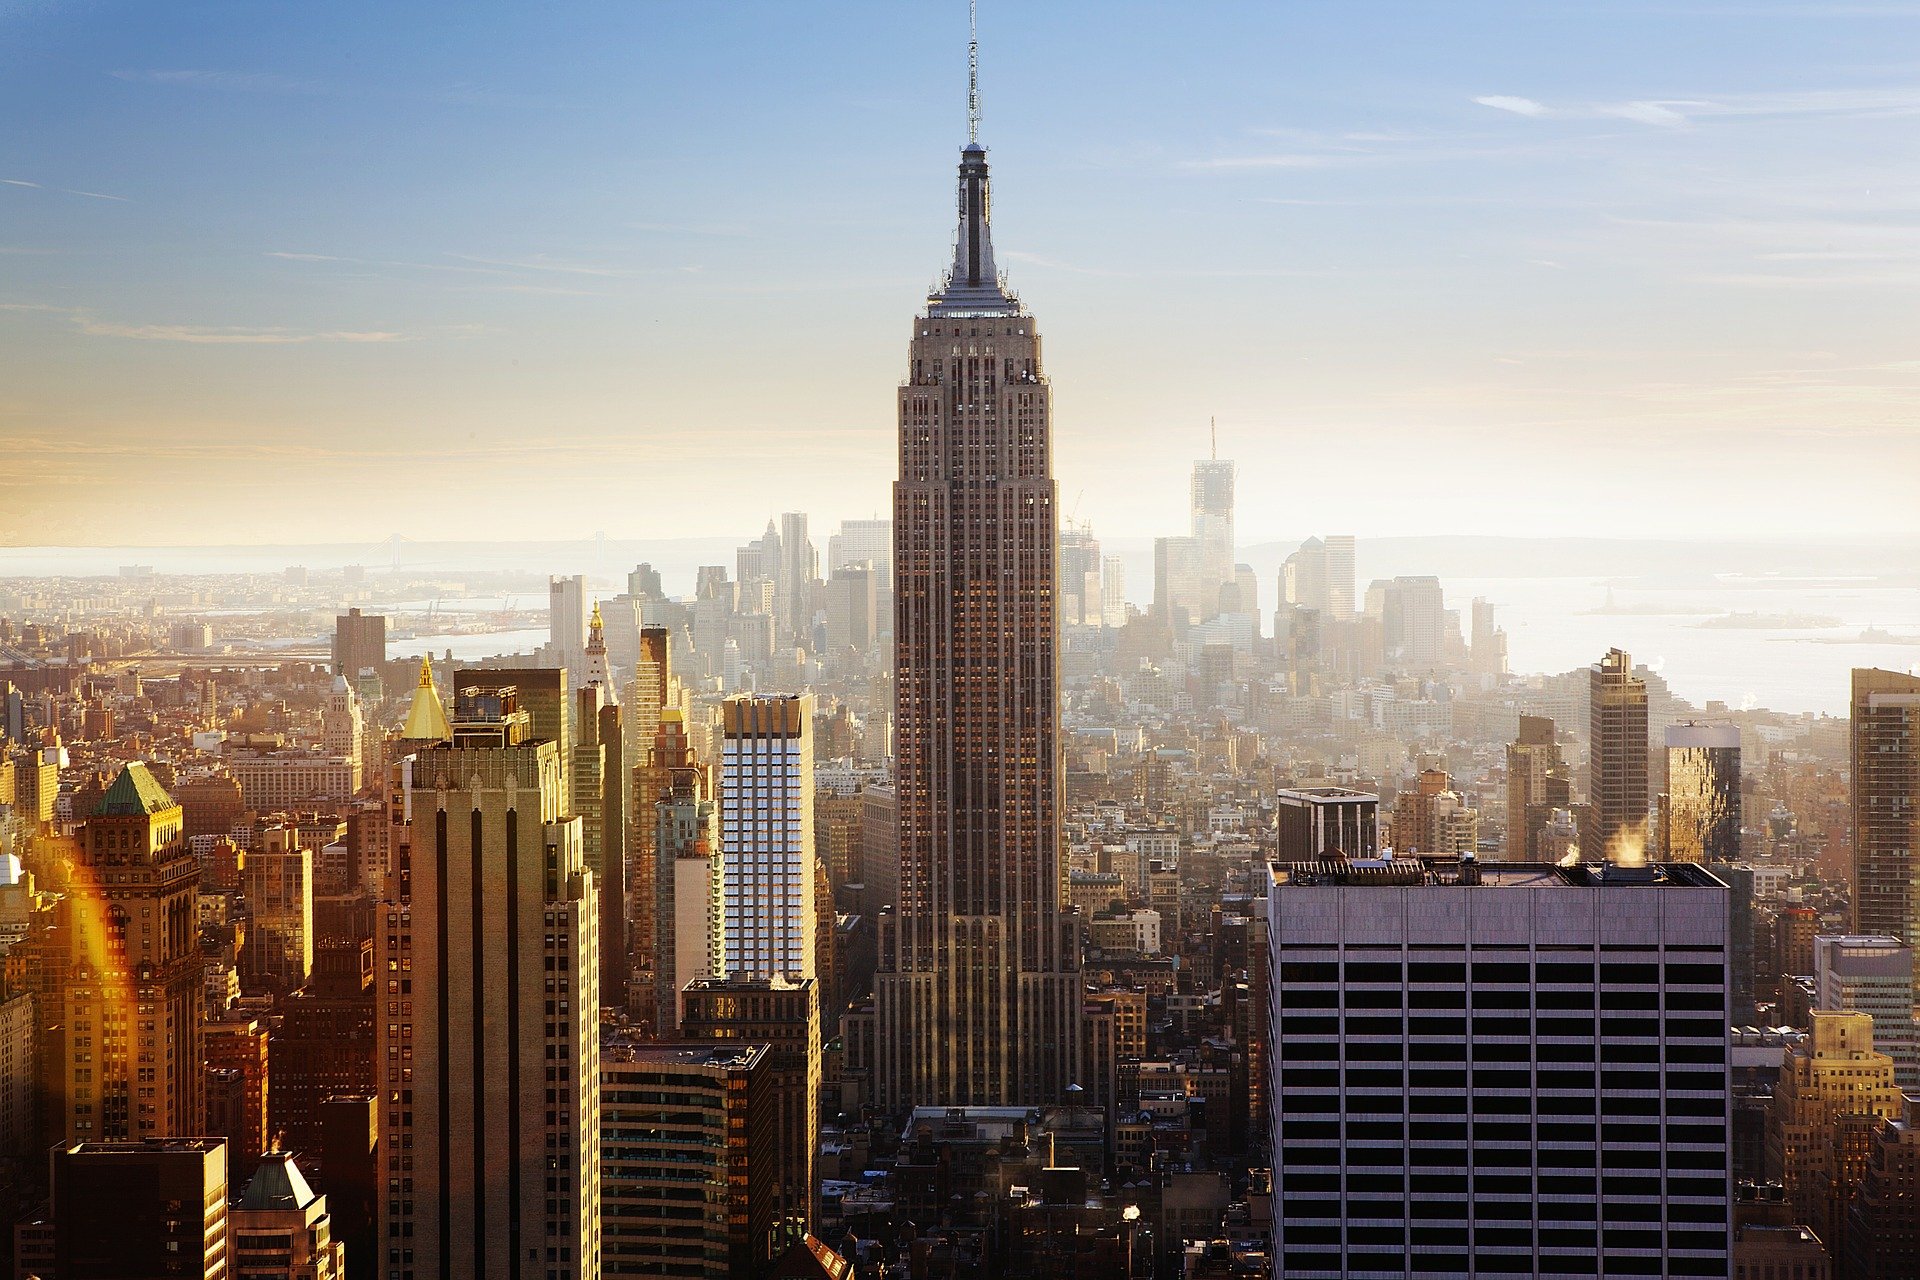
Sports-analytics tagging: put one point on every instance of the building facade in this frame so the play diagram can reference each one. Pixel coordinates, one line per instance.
(689, 1141)
(1886, 804)
(489, 1055)
(1616, 762)
(133, 992)
(977, 997)
(146, 1210)
(1703, 793)
(1504, 1069)
(766, 837)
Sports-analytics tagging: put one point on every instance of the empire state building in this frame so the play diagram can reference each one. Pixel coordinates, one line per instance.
(978, 994)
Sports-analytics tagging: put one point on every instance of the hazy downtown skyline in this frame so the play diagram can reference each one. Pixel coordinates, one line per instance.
(272, 272)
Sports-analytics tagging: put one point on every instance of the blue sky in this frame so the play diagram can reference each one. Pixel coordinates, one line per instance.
(271, 269)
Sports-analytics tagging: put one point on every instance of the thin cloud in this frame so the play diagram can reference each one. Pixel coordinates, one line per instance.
(543, 263)
(65, 191)
(228, 336)
(1518, 106)
(1283, 160)
(1670, 112)
(235, 81)
(87, 323)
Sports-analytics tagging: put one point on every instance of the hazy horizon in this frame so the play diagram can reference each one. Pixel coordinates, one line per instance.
(1624, 273)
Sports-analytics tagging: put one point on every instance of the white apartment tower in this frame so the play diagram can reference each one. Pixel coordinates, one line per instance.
(766, 837)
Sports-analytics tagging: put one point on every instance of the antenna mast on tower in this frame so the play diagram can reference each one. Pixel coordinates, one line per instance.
(973, 71)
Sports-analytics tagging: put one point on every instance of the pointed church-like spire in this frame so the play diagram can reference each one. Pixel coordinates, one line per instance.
(426, 716)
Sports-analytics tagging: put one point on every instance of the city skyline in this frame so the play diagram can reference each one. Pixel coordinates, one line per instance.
(404, 253)
(1291, 862)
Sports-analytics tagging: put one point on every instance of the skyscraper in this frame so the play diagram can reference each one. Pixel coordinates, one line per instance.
(685, 909)
(1339, 576)
(648, 696)
(1472, 1057)
(978, 998)
(1537, 784)
(359, 643)
(130, 1210)
(799, 566)
(1703, 793)
(766, 837)
(132, 985)
(722, 1136)
(1210, 518)
(1873, 976)
(1617, 762)
(567, 621)
(490, 1055)
(1886, 804)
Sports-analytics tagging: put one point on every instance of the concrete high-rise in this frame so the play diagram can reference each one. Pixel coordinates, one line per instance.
(342, 732)
(978, 998)
(281, 1228)
(490, 1053)
(1537, 783)
(1886, 804)
(722, 1137)
(567, 621)
(1834, 1091)
(1616, 829)
(783, 1014)
(1703, 793)
(1873, 976)
(601, 791)
(1327, 822)
(359, 643)
(766, 838)
(132, 995)
(686, 907)
(1473, 1057)
(143, 1210)
(799, 566)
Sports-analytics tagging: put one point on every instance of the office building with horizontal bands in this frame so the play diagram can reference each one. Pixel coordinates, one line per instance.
(1503, 1069)
(784, 1015)
(1874, 976)
(689, 1149)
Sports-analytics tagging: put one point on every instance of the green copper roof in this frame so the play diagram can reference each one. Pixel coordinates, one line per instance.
(278, 1184)
(134, 792)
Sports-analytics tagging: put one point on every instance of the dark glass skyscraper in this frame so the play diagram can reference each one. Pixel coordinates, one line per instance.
(978, 996)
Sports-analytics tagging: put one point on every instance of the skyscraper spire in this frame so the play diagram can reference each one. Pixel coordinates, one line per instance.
(973, 73)
(426, 716)
(972, 285)
(597, 671)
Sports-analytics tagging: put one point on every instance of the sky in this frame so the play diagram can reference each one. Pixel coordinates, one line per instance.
(294, 272)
